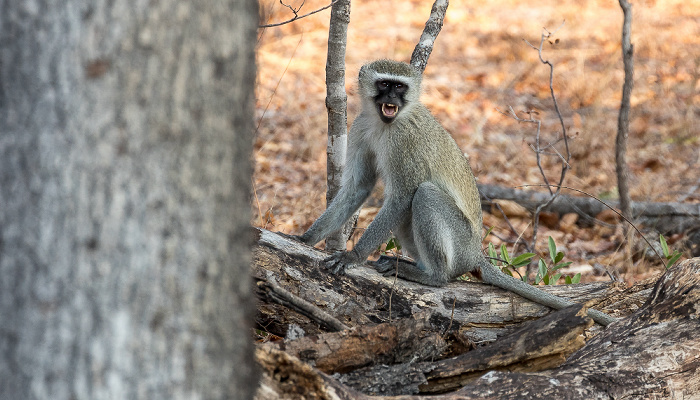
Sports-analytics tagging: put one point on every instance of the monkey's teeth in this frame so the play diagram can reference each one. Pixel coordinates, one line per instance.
(389, 110)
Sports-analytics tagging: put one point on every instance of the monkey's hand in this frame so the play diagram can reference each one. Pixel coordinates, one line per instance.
(342, 260)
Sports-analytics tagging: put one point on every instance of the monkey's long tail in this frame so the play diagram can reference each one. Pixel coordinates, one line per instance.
(493, 276)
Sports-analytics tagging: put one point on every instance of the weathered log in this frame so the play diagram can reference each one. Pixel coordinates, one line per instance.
(666, 218)
(653, 353)
(274, 292)
(537, 345)
(478, 312)
(389, 343)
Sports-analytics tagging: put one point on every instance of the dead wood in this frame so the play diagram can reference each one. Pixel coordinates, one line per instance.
(283, 297)
(666, 218)
(477, 312)
(401, 341)
(537, 345)
(653, 353)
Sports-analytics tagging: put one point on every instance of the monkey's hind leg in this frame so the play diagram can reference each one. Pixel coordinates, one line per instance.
(437, 237)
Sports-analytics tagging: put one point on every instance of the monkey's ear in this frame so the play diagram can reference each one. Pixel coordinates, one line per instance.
(363, 71)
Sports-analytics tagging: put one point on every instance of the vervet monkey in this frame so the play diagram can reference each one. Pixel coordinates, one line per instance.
(431, 202)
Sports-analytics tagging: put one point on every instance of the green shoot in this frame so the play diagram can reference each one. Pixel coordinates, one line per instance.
(671, 258)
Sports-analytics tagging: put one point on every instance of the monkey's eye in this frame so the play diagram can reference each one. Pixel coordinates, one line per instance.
(382, 84)
(398, 86)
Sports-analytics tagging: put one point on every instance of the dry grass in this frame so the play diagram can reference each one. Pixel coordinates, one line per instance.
(480, 63)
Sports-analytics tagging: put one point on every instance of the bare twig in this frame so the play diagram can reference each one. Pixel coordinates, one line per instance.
(663, 260)
(564, 158)
(419, 58)
(296, 14)
(287, 299)
(257, 201)
(452, 316)
(507, 220)
(274, 92)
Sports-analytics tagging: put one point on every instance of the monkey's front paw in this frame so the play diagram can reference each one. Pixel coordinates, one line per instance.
(342, 260)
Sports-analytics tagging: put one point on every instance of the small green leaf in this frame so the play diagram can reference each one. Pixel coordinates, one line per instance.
(567, 280)
(545, 279)
(390, 245)
(522, 259)
(504, 253)
(506, 271)
(541, 271)
(492, 254)
(488, 233)
(561, 265)
(552, 249)
(554, 279)
(559, 257)
(576, 278)
(664, 246)
(674, 258)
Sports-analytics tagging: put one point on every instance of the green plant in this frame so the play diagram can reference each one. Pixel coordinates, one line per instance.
(548, 275)
(506, 263)
(545, 273)
(392, 244)
(671, 258)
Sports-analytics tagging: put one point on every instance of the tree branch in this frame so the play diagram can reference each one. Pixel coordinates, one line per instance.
(623, 119)
(419, 58)
(296, 15)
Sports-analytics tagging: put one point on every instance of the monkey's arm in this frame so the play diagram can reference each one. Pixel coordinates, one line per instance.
(345, 203)
(377, 232)
(358, 181)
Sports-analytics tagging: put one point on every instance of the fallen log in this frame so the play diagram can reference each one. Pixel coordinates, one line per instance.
(653, 353)
(478, 312)
(389, 343)
(538, 345)
(666, 218)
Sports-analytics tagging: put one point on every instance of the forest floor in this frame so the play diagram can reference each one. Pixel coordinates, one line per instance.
(480, 66)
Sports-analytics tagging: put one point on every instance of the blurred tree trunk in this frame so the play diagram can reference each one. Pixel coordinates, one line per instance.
(337, 105)
(124, 187)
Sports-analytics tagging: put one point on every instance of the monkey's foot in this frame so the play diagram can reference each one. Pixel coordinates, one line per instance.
(387, 265)
(342, 260)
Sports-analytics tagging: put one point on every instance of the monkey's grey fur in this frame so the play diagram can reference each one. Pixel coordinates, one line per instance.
(431, 201)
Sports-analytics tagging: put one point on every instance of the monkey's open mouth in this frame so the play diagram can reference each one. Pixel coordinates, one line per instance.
(389, 110)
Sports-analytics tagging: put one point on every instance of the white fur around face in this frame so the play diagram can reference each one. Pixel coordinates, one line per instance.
(401, 72)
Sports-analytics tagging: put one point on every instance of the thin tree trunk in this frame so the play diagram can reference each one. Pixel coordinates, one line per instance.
(336, 103)
(433, 26)
(124, 188)
(623, 119)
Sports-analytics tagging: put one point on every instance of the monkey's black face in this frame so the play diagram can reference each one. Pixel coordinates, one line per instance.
(390, 99)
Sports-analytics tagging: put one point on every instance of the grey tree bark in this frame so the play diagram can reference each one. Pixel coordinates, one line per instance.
(433, 26)
(623, 120)
(124, 187)
(336, 104)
